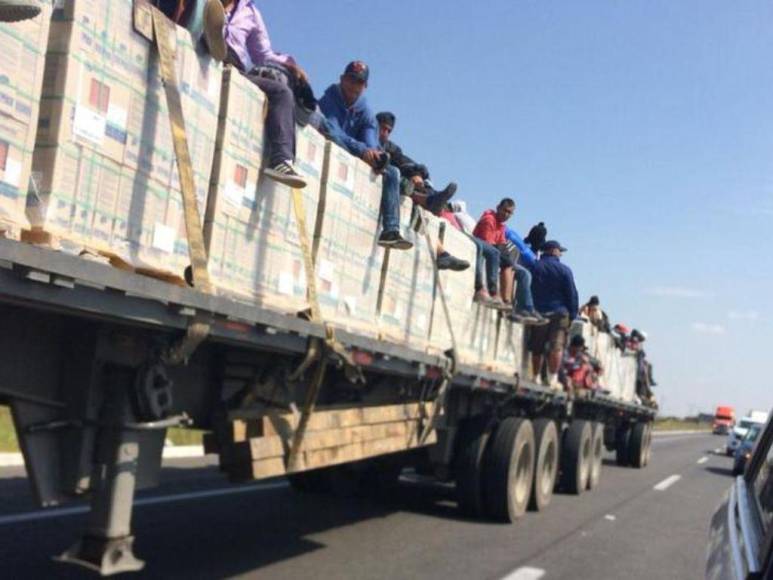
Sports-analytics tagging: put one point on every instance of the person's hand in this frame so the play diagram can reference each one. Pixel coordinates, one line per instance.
(371, 156)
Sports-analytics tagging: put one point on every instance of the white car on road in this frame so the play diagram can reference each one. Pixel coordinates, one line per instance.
(738, 432)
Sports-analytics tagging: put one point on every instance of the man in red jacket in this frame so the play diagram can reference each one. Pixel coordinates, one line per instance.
(491, 231)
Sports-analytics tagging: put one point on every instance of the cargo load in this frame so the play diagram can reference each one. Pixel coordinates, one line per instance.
(23, 46)
(104, 162)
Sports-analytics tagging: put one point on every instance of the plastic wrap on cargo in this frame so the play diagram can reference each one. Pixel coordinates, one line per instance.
(459, 288)
(478, 342)
(252, 233)
(407, 295)
(23, 46)
(349, 259)
(104, 160)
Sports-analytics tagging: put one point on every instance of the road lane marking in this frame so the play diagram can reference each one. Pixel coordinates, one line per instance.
(610, 517)
(667, 482)
(525, 573)
(82, 509)
(718, 450)
(702, 460)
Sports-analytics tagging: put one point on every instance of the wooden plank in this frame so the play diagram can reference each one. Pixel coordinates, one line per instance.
(275, 446)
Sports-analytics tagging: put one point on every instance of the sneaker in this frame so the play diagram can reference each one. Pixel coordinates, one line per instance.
(18, 10)
(285, 174)
(446, 261)
(532, 317)
(499, 304)
(214, 21)
(394, 240)
(482, 297)
(441, 199)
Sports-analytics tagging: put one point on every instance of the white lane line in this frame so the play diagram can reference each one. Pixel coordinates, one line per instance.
(667, 482)
(82, 509)
(702, 460)
(525, 573)
(610, 517)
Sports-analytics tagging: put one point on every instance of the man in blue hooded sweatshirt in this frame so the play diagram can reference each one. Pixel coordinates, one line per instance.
(351, 124)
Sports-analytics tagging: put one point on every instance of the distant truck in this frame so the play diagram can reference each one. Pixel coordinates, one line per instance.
(724, 420)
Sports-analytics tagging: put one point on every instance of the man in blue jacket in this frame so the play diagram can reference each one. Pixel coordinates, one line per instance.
(555, 296)
(351, 124)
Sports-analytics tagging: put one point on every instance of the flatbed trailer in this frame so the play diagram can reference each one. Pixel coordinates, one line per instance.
(92, 393)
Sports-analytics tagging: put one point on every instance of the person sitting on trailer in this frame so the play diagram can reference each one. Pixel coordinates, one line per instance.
(236, 33)
(555, 296)
(644, 378)
(415, 176)
(593, 313)
(524, 300)
(579, 370)
(351, 124)
(466, 221)
(490, 230)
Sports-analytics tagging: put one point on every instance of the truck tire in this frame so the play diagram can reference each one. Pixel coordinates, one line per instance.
(622, 445)
(648, 453)
(637, 445)
(576, 457)
(597, 455)
(508, 469)
(545, 463)
(468, 465)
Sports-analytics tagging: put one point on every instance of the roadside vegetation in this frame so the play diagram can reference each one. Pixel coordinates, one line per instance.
(681, 424)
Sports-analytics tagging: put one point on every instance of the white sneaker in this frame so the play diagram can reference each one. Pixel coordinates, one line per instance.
(17, 10)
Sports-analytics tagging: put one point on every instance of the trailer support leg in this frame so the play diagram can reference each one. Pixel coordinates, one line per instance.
(106, 546)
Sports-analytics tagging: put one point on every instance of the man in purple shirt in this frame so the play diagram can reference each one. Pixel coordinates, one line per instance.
(246, 45)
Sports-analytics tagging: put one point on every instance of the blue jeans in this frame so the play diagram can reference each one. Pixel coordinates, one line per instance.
(490, 255)
(390, 200)
(523, 297)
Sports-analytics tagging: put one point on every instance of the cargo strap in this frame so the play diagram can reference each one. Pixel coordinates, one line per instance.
(164, 32)
(322, 351)
(450, 370)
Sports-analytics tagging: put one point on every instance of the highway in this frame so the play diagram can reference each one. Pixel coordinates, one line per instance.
(638, 525)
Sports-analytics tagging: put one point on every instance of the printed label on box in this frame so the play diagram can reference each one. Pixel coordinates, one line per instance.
(326, 270)
(12, 174)
(117, 116)
(163, 238)
(89, 125)
(234, 194)
(286, 283)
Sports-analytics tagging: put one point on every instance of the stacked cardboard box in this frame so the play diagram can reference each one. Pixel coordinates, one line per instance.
(408, 288)
(458, 288)
(23, 46)
(479, 337)
(104, 161)
(348, 258)
(251, 231)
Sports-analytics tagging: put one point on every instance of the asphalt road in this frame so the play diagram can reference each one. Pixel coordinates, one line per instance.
(640, 524)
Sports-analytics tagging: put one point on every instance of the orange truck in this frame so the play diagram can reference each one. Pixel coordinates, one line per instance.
(724, 420)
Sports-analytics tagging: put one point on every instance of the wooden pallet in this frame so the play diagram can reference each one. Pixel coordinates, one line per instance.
(257, 448)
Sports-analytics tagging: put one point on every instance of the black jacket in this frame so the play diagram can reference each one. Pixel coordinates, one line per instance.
(407, 166)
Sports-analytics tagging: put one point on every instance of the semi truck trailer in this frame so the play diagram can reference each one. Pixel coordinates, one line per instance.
(275, 324)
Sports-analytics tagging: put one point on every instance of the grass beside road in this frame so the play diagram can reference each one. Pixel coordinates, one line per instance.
(677, 424)
(9, 444)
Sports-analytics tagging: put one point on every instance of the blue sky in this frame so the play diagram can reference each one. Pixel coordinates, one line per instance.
(641, 132)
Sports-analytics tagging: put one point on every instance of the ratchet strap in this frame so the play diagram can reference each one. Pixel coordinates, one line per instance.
(450, 370)
(164, 36)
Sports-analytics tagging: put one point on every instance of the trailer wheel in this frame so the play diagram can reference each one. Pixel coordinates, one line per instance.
(622, 445)
(576, 457)
(468, 465)
(509, 469)
(648, 454)
(637, 446)
(545, 463)
(597, 455)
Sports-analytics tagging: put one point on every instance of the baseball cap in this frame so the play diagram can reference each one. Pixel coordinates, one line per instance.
(357, 70)
(552, 245)
(386, 118)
